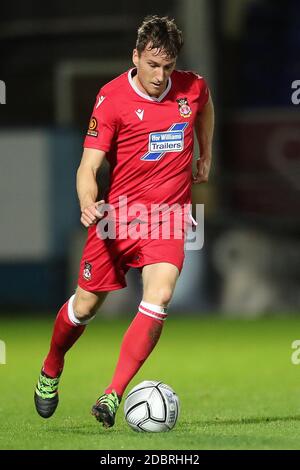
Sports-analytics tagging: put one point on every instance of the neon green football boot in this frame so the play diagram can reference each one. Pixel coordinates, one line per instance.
(106, 408)
(46, 395)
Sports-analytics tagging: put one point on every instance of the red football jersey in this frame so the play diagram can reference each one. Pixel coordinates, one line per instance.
(148, 141)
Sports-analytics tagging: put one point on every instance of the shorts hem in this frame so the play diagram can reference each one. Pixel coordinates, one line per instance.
(103, 288)
(147, 263)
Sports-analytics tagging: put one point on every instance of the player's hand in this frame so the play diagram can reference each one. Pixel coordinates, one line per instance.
(203, 169)
(92, 213)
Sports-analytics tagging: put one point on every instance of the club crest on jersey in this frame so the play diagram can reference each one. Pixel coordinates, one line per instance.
(92, 130)
(87, 272)
(184, 107)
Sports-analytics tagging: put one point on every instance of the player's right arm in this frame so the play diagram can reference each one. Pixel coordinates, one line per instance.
(87, 188)
(98, 141)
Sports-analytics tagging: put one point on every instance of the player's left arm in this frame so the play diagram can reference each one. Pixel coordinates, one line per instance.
(204, 128)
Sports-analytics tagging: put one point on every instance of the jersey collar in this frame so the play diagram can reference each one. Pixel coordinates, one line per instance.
(143, 95)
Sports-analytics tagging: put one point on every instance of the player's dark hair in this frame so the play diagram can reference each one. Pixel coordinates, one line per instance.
(162, 33)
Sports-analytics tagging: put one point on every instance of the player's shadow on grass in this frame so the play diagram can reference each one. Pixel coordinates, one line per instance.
(82, 430)
(254, 420)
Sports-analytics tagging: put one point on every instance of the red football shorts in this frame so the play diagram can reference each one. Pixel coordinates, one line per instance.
(105, 261)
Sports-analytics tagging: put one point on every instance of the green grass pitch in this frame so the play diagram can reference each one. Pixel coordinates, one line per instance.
(237, 385)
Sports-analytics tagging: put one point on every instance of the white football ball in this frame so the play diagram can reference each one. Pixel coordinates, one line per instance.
(151, 406)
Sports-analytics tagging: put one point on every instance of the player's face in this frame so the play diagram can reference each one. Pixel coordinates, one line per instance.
(154, 68)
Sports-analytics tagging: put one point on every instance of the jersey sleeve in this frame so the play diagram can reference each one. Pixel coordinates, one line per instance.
(203, 94)
(103, 123)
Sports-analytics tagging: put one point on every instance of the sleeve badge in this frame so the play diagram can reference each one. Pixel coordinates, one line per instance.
(92, 130)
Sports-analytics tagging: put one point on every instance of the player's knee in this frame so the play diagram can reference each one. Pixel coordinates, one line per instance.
(84, 307)
(161, 296)
(165, 295)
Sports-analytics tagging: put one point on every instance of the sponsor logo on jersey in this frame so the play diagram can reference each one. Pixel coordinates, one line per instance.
(184, 107)
(87, 272)
(100, 100)
(92, 130)
(160, 143)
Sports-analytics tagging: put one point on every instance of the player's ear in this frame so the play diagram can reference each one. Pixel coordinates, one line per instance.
(135, 57)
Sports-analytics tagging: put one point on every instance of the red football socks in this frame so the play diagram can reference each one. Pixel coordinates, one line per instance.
(138, 342)
(65, 334)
